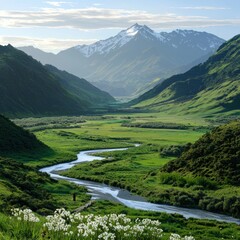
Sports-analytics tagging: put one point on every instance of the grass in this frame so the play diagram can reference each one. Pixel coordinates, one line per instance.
(135, 169)
(208, 102)
(123, 168)
(108, 132)
(101, 132)
(63, 191)
(200, 229)
(10, 229)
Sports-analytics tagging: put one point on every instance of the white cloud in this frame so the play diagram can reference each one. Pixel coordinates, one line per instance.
(205, 8)
(46, 44)
(103, 18)
(57, 4)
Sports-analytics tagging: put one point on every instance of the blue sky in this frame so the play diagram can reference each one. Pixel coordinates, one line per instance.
(55, 25)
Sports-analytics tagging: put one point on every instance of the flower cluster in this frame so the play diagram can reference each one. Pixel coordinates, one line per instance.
(175, 236)
(97, 227)
(25, 215)
(60, 221)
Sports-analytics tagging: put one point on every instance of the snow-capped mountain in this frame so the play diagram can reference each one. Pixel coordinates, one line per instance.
(132, 59)
(105, 46)
(174, 39)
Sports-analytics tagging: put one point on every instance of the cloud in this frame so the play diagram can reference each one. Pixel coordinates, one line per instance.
(46, 44)
(103, 18)
(57, 4)
(205, 8)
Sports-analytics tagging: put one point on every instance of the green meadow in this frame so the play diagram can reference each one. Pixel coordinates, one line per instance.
(85, 133)
(136, 169)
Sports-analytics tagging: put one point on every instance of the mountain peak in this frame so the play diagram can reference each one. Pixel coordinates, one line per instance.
(122, 38)
(136, 28)
(133, 30)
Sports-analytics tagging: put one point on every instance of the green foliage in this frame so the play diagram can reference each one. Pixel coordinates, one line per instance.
(215, 155)
(136, 169)
(174, 150)
(21, 185)
(14, 138)
(25, 187)
(177, 179)
(39, 124)
(10, 229)
(213, 159)
(157, 125)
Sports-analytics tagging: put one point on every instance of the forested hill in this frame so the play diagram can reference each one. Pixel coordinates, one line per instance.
(27, 88)
(14, 138)
(216, 155)
(211, 87)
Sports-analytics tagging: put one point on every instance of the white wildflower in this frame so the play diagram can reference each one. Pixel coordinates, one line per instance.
(24, 215)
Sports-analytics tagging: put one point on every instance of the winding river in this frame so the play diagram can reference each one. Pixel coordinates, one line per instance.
(115, 194)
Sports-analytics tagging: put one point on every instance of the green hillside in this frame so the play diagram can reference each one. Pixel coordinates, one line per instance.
(25, 186)
(215, 155)
(81, 88)
(27, 88)
(14, 138)
(211, 87)
(21, 185)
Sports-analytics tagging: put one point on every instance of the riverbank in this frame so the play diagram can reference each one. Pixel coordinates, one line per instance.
(103, 191)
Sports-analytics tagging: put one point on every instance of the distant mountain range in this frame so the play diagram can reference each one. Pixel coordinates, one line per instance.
(211, 87)
(28, 88)
(134, 60)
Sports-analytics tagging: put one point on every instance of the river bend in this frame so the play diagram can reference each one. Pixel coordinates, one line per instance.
(115, 194)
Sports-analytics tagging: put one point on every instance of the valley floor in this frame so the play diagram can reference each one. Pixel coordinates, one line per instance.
(136, 169)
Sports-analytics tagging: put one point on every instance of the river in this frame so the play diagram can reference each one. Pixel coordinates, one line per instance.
(115, 194)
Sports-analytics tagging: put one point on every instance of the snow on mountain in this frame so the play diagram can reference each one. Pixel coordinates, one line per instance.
(105, 46)
(174, 39)
(202, 40)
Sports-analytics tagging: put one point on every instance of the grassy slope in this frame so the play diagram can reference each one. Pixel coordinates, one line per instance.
(215, 155)
(81, 88)
(22, 185)
(208, 88)
(28, 88)
(14, 138)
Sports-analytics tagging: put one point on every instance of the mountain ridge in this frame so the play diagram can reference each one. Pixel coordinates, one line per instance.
(105, 46)
(132, 59)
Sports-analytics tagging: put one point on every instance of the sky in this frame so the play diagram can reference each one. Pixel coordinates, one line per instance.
(53, 25)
